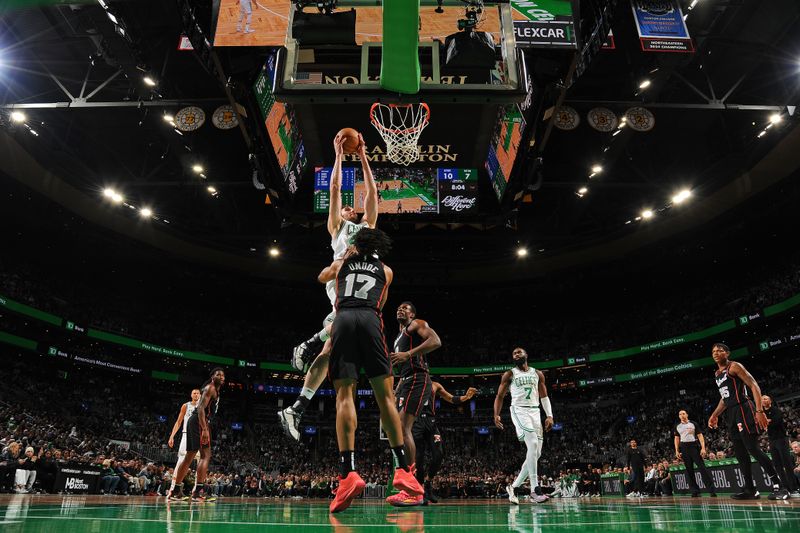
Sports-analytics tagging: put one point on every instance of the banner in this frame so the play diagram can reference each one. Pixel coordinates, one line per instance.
(545, 24)
(661, 26)
(13, 340)
(726, 475)
(612, 485)
(76, 478)
(93, 361)
(23, 309)
(174, 352)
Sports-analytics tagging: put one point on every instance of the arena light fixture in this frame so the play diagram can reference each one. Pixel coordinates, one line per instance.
(762, 133)
(645, 84)
(583, 190)
(522, 252)
(775, 118)
(211, 189)
(146, 212)
(274, 251)
(108, 193)
(596, 169)
(647, 214)
(18, 117)
(681, 196)
(169, 118)
(149, 81)
(197, 168)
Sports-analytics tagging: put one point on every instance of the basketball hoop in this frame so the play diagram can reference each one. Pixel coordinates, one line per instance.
(400, 126)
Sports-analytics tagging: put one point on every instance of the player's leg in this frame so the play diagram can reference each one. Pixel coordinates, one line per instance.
(290, 417)
(437, 457)
(202, 471)
(303, 352)
(419, 432)
(531, 463)
(241, 16)
(407, 422)
(182, 454)
(751, 444)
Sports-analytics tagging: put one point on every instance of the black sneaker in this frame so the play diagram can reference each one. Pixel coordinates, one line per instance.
(695, 495)
(713, 495)
(779, 494)
(746, 495)
(429, 495)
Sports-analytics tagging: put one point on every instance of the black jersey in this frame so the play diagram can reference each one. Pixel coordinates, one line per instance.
(733, 391)
(405, 341)
(360, 283)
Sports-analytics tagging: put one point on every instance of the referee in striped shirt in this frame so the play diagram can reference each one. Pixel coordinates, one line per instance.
(687, 437)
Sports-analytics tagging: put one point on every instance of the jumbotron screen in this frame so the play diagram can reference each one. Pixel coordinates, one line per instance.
(417, 191)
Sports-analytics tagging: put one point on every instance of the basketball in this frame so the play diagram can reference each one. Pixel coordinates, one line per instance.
(350, 140)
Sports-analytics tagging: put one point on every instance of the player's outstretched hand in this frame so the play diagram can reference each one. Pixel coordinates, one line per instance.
(338, 145)
(498, 423)
(712, 422)
(548, 423)
(399, 357)
(472, 391)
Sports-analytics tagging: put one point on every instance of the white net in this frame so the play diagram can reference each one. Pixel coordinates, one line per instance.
(400, 126)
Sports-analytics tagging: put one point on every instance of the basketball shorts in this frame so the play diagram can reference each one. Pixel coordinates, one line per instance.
(358, 341)
(193, 434)
(425, 430)
(245, 7)
(527, 420)
(742, 419)
(182, 445)
(414, 394)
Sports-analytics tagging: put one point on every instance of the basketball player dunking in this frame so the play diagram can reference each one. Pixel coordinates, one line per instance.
(198, 434)
(362, 283)
(744, 421)
(428, 437)
(343, 225)
(528, 391)
(415, 339)
(186, 412)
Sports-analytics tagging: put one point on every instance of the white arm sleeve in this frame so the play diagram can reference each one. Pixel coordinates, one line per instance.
(548, 409)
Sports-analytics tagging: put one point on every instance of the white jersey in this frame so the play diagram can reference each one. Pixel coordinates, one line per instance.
(190, 409)
(524, 388)
(339, 244)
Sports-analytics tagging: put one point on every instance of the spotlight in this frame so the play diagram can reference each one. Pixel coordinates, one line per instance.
(146, 212)
(596, 169)
(150, 82)
(522, 252)
(775, 118)
(108, 193)
(647, 214)
(681, 196)
(197, 168)
(274, 252)
(18, 116)
(645, 84)
(116, 198)
(583, 190)
(169, 118)
(211, 189)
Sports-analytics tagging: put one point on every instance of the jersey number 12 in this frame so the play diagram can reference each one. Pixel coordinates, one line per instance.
(367, 283)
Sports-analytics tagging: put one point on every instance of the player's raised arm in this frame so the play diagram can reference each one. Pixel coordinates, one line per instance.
(502, 390)
(335, 208)
(371, 199)
(439, 390)
(330, 272)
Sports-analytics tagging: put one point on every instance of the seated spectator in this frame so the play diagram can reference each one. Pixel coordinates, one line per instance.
(109, 479)
(25, 475)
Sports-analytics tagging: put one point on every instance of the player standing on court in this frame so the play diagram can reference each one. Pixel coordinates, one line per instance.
(187, 410)
(744, 421)
(245, 12)
(362, 283)
(415, 339)
(528, 391)
(343, 225)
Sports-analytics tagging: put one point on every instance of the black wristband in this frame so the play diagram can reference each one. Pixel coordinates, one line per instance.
(457, 400)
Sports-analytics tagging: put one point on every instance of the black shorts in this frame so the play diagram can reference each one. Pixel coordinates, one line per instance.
(742, 419)
(414, 393)
(358, 342)
(425, 430)
(193, 434)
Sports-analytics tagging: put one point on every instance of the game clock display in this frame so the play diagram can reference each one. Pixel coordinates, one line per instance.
(417, 191)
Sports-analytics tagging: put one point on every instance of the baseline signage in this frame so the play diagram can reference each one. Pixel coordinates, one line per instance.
(661, 26)
(546, 24)
(78, 478)
(726, 475)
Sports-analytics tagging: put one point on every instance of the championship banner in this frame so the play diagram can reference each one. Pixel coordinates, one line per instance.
(661, 26)
(544, 24)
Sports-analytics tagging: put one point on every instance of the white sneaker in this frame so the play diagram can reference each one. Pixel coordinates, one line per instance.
(795, 494)
(290, 422)
(511, 496)
(248, 30)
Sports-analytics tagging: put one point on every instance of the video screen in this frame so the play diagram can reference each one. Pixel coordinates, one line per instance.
(415, 191)
(504, 146)
(281, 126)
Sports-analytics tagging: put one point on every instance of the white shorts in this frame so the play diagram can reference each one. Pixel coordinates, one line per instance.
(527, 420)
(245, 7)
(182, 447)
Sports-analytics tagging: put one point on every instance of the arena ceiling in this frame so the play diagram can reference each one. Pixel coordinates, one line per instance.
(725, 129)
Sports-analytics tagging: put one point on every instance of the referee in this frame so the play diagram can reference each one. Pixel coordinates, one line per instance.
(687, 436)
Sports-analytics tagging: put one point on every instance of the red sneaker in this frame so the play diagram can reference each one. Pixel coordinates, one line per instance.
(403, 499)
(349, 488)
(405, 480)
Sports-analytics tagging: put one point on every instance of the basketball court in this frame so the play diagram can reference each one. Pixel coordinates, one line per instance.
(22, 514)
